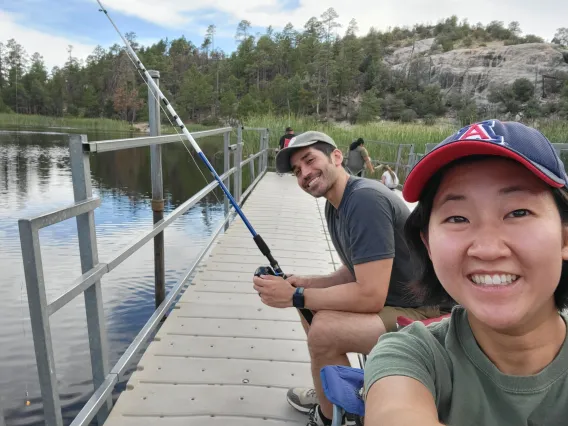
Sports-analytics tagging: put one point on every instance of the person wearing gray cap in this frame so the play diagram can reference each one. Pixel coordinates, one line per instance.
(361, 300)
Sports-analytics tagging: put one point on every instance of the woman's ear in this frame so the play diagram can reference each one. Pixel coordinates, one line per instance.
(565, 242)
(424, 238)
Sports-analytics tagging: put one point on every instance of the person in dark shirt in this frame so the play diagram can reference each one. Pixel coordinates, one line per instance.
(285, 140)
(359, 302)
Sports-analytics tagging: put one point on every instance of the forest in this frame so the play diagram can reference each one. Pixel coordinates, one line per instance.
(319, 70)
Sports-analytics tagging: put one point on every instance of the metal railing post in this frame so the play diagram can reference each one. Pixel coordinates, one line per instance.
(410, 161)
(398, 156)
(226, 167)
(81, 176)
(266, 146)
(39, 316)
(238, 160)
(251, 167)
(261, 148)
(265, 155)
(157, 191)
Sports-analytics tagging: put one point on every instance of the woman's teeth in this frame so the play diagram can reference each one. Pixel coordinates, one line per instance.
(496, 279)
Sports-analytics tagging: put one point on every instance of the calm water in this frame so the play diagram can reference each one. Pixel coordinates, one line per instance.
(35, 177)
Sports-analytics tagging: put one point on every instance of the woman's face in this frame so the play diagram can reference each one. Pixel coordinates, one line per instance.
(496, 242)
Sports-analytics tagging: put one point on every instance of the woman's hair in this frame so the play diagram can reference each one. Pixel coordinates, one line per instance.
(393, 175)
(355, 144)
(385, 167)
(426, 286)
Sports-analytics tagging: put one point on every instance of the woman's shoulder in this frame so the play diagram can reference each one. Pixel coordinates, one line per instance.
(418, 351)
(433, 334)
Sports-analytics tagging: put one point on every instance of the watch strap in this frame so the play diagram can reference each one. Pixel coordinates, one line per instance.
(298, 298)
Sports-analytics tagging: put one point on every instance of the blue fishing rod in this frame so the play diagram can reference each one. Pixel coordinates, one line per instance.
(274, 268)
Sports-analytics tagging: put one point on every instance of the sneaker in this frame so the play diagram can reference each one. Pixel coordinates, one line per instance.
(316, 420)
(302, 399)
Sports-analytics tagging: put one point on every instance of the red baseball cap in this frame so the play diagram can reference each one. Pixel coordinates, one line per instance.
(513, 140)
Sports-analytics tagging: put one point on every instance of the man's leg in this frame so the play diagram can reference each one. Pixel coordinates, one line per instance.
(331, 336)
(303, 399)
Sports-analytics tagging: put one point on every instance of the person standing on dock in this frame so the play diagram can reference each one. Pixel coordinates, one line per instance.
(285, 140)
(358, 158)
(360, 301)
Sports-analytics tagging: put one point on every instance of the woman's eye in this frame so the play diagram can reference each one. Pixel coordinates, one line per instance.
(519, 213)
(456, 219)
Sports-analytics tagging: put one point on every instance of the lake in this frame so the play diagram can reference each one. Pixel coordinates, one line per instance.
(35, 177)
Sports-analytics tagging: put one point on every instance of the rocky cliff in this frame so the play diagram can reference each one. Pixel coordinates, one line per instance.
(476, 70)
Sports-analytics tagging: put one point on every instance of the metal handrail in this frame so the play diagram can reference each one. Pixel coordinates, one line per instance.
(252, 157)
(117, 144)
(94, 274)
(104, 391)
(89, 283)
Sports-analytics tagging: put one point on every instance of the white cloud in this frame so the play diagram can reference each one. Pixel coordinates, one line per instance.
(541, 18)
(182, 16)
(53, 48)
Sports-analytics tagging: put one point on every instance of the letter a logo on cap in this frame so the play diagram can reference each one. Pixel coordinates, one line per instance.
(480, 131)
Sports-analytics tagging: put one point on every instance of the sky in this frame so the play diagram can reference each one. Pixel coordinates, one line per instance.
(50, 26)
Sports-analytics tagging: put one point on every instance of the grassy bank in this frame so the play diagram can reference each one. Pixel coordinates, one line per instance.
(31, 121)
(393, 132)
(343, 135)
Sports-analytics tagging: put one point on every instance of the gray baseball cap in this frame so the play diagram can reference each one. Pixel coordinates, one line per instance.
(301, 141)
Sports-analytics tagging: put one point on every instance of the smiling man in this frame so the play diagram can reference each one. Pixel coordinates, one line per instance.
(360, 301)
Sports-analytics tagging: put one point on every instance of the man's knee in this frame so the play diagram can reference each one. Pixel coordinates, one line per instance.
(322, 333)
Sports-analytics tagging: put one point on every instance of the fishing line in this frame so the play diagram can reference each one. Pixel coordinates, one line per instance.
(172, 124)
(274, 268)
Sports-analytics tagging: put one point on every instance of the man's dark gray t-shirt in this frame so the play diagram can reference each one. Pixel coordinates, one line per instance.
(368, 226)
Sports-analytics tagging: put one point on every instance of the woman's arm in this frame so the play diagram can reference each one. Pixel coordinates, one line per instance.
(400, 401)
(367, 159)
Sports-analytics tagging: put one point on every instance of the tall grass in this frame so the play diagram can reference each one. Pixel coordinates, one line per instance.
(105, 124)
(555, 130)
(386, 131)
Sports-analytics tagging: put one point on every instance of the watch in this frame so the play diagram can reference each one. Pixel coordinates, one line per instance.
(298, 298)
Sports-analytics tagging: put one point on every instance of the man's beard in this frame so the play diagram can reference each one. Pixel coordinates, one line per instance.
(320, 187)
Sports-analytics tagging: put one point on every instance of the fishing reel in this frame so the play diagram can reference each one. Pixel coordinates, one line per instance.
(267, 270)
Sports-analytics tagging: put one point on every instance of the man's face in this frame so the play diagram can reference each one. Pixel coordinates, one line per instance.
(316, 172)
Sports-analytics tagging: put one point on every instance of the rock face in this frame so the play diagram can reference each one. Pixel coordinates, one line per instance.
(474, 71)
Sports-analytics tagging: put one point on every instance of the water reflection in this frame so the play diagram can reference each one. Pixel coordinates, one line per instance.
(35, 177)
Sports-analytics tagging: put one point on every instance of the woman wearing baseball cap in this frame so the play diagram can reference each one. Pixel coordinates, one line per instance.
(490, 232)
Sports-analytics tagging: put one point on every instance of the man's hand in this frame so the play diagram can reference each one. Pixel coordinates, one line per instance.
(274, 291)
(298, 281)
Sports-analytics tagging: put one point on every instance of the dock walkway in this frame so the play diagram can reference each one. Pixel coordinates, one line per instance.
(223, 357)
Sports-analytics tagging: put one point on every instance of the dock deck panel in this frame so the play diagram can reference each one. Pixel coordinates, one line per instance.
(222, 357)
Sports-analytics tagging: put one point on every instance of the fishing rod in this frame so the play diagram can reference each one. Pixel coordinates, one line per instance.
(274, 268)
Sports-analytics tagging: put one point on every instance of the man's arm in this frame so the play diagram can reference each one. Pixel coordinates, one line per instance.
(340, 276)
(370, 229)
(371, 239)
(367, 294)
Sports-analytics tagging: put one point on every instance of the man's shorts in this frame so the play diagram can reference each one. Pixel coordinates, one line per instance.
(389, 314)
